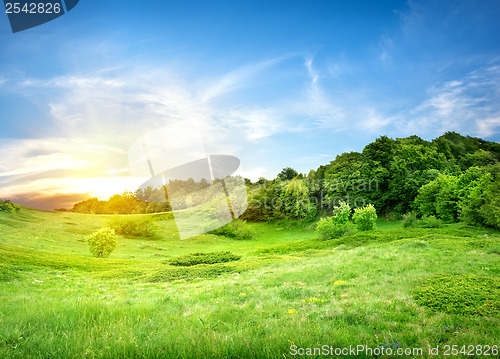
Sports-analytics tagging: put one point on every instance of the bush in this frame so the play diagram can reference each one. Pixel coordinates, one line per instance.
(328, 228)
(237, 229)
(102, 242)
(430, 222)
(460, 294)
(365, 218)
(203, 258)
(337, 225)
(8, 206)
(143, 226)
(409, 220)
(341, 213)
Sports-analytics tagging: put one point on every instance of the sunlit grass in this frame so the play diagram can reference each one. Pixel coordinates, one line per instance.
(288, 288)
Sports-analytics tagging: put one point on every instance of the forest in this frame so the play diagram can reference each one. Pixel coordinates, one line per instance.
(451, 178)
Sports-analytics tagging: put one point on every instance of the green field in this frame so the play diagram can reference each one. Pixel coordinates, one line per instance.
(392, 288)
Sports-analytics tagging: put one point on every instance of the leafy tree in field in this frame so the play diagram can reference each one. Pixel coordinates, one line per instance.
(337, 225)
(365, 218)
(342, 213)
(102, 242)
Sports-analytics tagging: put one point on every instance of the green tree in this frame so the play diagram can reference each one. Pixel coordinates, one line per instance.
(102, 242)
(287, 174)
(336, 225)
(365, 218)
(296, 200)
(439, 198)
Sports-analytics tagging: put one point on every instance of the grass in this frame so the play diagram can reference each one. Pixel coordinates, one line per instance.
(287, 289)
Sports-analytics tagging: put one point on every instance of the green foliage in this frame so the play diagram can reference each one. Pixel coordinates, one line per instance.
(409, 220)
(439, 198)
(491, 208)
(137, 226)
(287, 174)
(193, 259)
(478, 204)
(327, 228)
(430, 222)
(102, 242)
(460, 294)
(99, 306)
(342, 213)
(365, 218)
(296, 201)
(125, 203)
(8, 206)
(264, 202)
(337, 224)
(237, 229)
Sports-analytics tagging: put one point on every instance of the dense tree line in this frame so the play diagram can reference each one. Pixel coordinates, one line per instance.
(453, 177)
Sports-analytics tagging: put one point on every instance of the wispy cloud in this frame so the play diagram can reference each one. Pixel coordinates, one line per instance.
(96, 117)
(319, 107)
(21, 157)
(470, 104)
(237, 79)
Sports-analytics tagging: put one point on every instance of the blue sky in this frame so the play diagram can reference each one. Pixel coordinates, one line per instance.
(275, 83)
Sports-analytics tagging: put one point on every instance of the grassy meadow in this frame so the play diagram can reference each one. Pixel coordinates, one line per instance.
(394, 287)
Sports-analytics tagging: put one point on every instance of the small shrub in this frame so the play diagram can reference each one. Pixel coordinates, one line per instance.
(328, 228)
(409, 220)
(430, 222)
(8, 206)
(193, 259)
(460, 294)
(365, 218)
(342, 213)
(337, 225)
(237, 229)
(143, 226)
(102, 242)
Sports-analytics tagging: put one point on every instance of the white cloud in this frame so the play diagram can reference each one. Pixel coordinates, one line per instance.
(488, 127)
(469, 105)
(255, 122)
(236, 79)
(319, 108)
(21, 157)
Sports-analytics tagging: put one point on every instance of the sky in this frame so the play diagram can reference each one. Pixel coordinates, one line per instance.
(274, 83)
